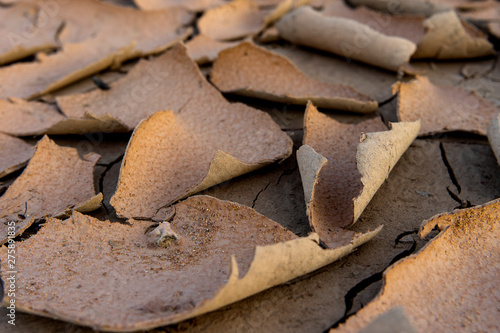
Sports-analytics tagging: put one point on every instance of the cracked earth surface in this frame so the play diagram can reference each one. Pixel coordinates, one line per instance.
(437, 174)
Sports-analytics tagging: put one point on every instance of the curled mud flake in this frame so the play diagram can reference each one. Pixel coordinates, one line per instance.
(442, 36)
(233, 20)
(21, 35)
(343, 165)
(55, 180)
(466, 249)
(253, 71)
(186, 150)
(94, 38)
(443, 108)
(203, 49)
(99, 287)
(341, 36)
(14, 154)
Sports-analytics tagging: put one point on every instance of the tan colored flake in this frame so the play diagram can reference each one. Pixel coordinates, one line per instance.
(78, 266)
(56, 180)
(461, 260)
(443, 109)
(342, 168)
(14, 154)
(171, 156)
(253, 71)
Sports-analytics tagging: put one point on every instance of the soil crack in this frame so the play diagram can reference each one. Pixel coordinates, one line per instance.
(103, 175)
(365, 283)
(258, 194)
(455, 196)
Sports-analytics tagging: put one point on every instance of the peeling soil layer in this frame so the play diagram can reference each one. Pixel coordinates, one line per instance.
(110, 235)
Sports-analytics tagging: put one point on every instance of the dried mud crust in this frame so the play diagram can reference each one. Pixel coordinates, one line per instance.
(443, 171)
(91, 256)
(467, 244)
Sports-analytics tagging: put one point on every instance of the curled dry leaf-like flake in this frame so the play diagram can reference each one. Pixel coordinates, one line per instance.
(408, 27)
(237, 251)
(242, 18)
(494, 136)
(55, 180)
(24, 30)
(170, 156)
(443, 109)
(345, 37)
(447, 37)
(269, 35)
(135, 96)
(282, 8)
(462, 261)
(109, 43)
(442, 36)
(192, 5)
(21, 118)
(254, 71)
(203, 49)
(237, 19)
(341, 172)
(324, 67)
(14, 154)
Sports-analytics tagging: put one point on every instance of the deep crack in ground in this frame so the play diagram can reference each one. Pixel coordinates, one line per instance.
(103, 175)
(455, 196)
(374, 278)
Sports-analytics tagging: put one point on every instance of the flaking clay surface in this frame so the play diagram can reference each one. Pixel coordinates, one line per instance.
(441, 36)
(314, 303)
(404, 26)
(233, 20)
(342, 166)
(14, 154)
(466, 248)
(437, 173)
(447, 37)
(21, 35)
(172, 156)
(86, 51)
(135, 96)
(253, 71)
(209, 234)
(366, 79)
(337, 35)
(443, 108)
(21, 118)
(239, 251)
(55, 180)
(24, 118)
(317, 301)
(203, 49)
(243, 18)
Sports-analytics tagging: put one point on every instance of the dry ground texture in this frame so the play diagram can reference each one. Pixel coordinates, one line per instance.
(250, 165)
